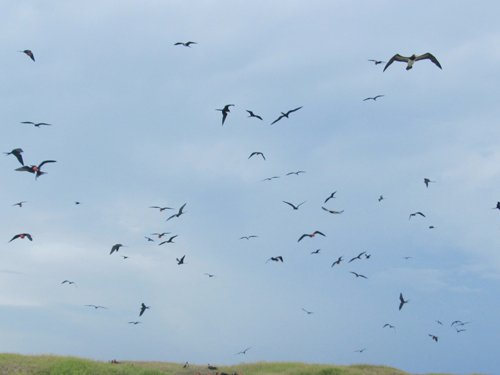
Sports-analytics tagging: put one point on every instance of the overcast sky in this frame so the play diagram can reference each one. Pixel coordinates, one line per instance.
(134, 125)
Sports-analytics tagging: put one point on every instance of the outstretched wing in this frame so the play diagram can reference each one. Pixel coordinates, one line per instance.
(430, 57)
(279, 118)
(396, 57)
(45, 162)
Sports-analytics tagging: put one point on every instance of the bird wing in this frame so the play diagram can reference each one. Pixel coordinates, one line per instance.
(279, 118)
(45, 162)
(318, 232)
(396, 57)
(430, 57)
(16, 236)
(25, 169)
(291, 205)
(293, 110)
(301, 237)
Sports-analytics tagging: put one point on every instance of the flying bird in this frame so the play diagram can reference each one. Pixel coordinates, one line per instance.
(374, 98)
(434, 337)
(68, 282)
(497, 206)
(161, 208)
(427, 181)
(295, 173)
(170, 240)
(389, 326)
(276, 259)
(315, 251)
(415, 214)
(17, 153)
(21, 236)
(285, 114)
(332, 195)
(180, 261)
(251, 114)
(358, 275)
(360, 350)
(337, 262)
(257, 153)
(134, 323)
(143, 308)
(381, 198)
(411, 60)
(357, 257)
(244, 351)
(332, 211)
(376, 62)
(160, 235)
(28, 53)
(270, 178)
(225, 111)
(97, 306)
(185, 44)
(20, 204)
(402, 301)
(307, 311)
(179, 213)
(295, 207)
(248, 237)
(36, 124)
(115, 247)
(149, 239)
(210, 275)
(36, 169)
(311, 235)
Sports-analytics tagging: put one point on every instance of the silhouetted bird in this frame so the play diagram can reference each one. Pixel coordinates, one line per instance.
(180, 261)
(225, 111)
(160, 235)
(376, 62)
(427, 181)
(337, 262)
(332, 195)
(411, 60)
(134, 323)
(295, 207)
(358, 275)
(315, 251)
(244, 351)
(285, 114)
(36, 124)
(360, 350)
(36, 169)
(170, 240)
(21, 236)
(415, 214)
(179, 213)
(311, 235)
(374, 98)
(276, 259)
(381, 198)
(434, 337)
(251, 114)
(143, 308)
(149, 239)
(115, 247)
(388, 325)
(161, 208)
(17, 153)
(248, 237)
(332, 211)
(257, 153)
(20, 204)
(497, 206)
(28, 53)
(295, 173)
(210, 275)
(357, 257)
(402, 301)
(97, 306)
(68, 282)
(185, 44)
(270, 178)
(307, 311)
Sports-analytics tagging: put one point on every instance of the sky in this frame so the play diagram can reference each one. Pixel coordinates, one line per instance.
(134, 124)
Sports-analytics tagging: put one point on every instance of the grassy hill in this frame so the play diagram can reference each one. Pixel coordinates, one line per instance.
(12, 364)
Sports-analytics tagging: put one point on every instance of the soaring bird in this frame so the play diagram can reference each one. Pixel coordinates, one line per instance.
(257, 153)
(332, 195)
(28, 53)
(415, 214)
(185, 44)
(251, 114)
(149, 239)
(307, 311)
(180, 261)
(402, 301)
(374, 98)
(161, 208)
(68, 282)
(279, 258)
(376, 62)
(358, 275)
(21, 236)
(311, 235)
(36, 124)
(17, 153)
(337, 262)
(134, 323)
(210, 275)
(332, 211)
(20, 204)
(170, 240)
(357, 257)
(315, 251)
(179, 213)
(285, 114)
(295, 173)
(248, 237)
(411, 60)
(427, 181)
(270, 178)
(381, 198)
(389, 326)
(434, 337)
(97, 306)
(225, 111)
(36, 169)
(497, 207)
(244, 351)
(115, 247)
(160, 235)
(360, 350)
(295, 207)
(143, 308)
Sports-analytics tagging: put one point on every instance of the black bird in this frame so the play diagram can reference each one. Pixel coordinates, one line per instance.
(17, 153)
(149, 239)
(381, 198)
(415, 214)
(20, 204)
(257, 153)
(68, 282)
(360, 350)
(427, 181)
(160, 235)
(97, 306)
(28, 53)
(311, 235)
(376, 62)
(276, 259)
(315, 251)
(185, 44)
(143, 308)
(332, 211)
(358, 275)
(225, 111)
(283, 114)
(296, 173)
(124, 257)
(115, 247)
(337, 262)
(374, 98)
(389, 325)
(210, 275)
(459, 322)
(21, 236)
(134, 323)
(402, 301)
(307, 311)
(210, 367)
(248, 237)
(357, 257)
(161, 208)
(244, 351)
(170, 240)
(270, 178)
(186, 365)
(180, 261)
(434, 337)
(295, 207)
(36, 124)
(251, 114)
(439, 322)
(332, 195)
(411, 60)
(179, 213)
(36, 169)
(497, 206)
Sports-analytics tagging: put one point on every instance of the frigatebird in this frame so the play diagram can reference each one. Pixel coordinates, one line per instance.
(36, 124)
(376, 62)
(149, 239)
(381, 198)
(358, 275)
(17, 153)
(295, 207)
(257, 153)
(134, 323)
(411, 60)
(210, 275)
(497, 207)
(160, 235)
(427, 181)
(307, 311)
(28, 53)
(161, 208)
(315, 251)
(143, 308)
(332, 195)
(225, 111)
(402, 301)
(285, 114)
(244, 351)
(115, 247)
(97, 306)
(279, 258)
(415, 214)
(251, 114)
(337, 262)
(311, 235)
(248, 237)
(295, 173)
(357, 257)
(185, 44)
(36, 169)
(20, 204)
(332, 211)
(68, 282)
(179, 213)
(270, 178)
(181, 260)
(389, 325)
(170, 240)
(374, 98)
(21, 236)
(434, 337)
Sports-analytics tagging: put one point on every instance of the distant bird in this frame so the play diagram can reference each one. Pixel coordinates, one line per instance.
(170, 240)
(402, 301)
(248, 237)
(179, 213)
(77, 203)
(36, 124)
(415, 214)
(295, 173)
(374, 98)
(332, 211)
(143, 308)
(285, 114)
(332, 195)
(244, 351)
(411, 60)
(36, 169)
(225, 111)
(180, 261)
(149, 239)
(161, 208)
(21, 236)
(185, 44)
(434, 337)
(115, 247)
(458, 322)
(497, 207)
(68, 282)
(270, 178)
(337, 262)
(276, 259)
(315, 251)
(458, 330)
(381, 198)
(295, 207)
(311, 235)
(134, 323)
(358, 275)
(251, 114)
(17, 153)
(431, 227)
(376, 62)
(307, 311)
(28, 53)
(97, 306)
(124, 257)
(407, 258)
(257, 153)
(427, 181)
(439, 322)
(389, 326)
(20, 204)
(360, 350)
(160, 235)
(357, 257)
(368, 256)
(210, 275)
(186, 365)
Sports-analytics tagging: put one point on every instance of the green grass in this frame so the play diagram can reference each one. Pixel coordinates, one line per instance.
(15, 364)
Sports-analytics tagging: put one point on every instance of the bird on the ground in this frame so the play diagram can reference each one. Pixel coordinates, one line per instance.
(28, 53)
(17, 153)
(251, 114)
(225, 111)
(279, 258)
(295, 173)
(376, 62)
(427, 181)
(36, 169)
(20, 204)
(143, 308)
(307, 311)
(36, 124)
(357, 257)
(248, 237)
(374, 98)
(134, 322)
(244, 351)
(337, 262)
(185, 44)
(295, 207)
(161, 208)
(257, 153)
(115, 247)
(332, 195)
(358, 275)
(181, 260)
(315, 251)
(415, 214)
(402, 301)
(270, 178)
(68, 282)
(97, 306)
(170, 240)
(311, 235)
(179, 213)
(332, 211)
(21, 236)
(381, 198)
(285, 114)
(434, 337)
(412, 59)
